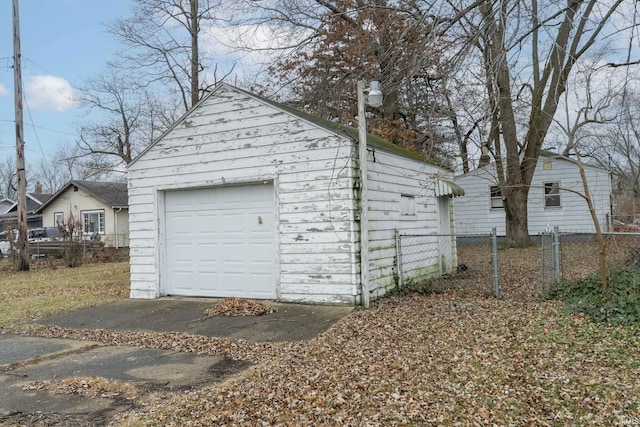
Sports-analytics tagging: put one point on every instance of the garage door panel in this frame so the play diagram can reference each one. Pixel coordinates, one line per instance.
(220, 242)
(233, 223)
(233, 254)
(261, 254)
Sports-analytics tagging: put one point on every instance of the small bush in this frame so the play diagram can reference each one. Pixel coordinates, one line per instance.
(109, 254)
(618, 304)
(72, 245)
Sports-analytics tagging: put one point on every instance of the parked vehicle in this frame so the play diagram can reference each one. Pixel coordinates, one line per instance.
(5, 247)
(6, 237)
(45, 234)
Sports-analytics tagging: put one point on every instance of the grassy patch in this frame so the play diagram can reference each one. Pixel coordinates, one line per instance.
(618, 304)
(28, 295)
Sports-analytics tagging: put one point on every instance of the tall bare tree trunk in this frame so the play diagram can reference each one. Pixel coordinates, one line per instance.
(517, 223)
(195, 62)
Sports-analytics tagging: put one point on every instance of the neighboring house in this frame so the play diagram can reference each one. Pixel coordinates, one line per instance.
(100, 207)
(5, 205)
(554, 198)
(34, 219)
(250, 198)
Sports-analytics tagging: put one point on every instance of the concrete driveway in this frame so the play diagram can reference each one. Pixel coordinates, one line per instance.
(26, 360)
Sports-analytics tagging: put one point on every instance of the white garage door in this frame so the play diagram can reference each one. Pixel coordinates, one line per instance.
(220, 242)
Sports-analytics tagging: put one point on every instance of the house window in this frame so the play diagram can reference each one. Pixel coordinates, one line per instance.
(496, 197)
(407, 205)
(93, 222)
(551, 194)
(58, 219)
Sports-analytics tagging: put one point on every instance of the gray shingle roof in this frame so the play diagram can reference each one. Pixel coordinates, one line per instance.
(113, 194)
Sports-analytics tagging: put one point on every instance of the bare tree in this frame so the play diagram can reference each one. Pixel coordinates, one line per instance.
(617, 147)
(8, 185)
(64, 165)
(529, 49)
(127, 119)
(161, 42)
(590, 113)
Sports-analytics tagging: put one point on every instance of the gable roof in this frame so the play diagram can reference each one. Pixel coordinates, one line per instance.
(34, 201)
(40, 197)
(7, 203)
(334, 127)
(113, 194)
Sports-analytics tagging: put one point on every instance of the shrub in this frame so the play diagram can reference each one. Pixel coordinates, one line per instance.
(618, 304)
(72, 245)
(109, 254)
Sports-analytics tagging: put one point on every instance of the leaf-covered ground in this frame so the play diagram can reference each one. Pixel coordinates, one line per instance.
(458, 358)
(449, 359)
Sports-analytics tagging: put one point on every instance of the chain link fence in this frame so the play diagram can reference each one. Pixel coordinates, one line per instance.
(580, 253)
(551, 258)
(480, 263)
(454, 261)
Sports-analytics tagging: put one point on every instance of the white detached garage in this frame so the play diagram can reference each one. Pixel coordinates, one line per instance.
(249, 198)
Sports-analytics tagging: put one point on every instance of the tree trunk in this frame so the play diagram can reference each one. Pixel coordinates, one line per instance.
(195, 55)
(516, 218)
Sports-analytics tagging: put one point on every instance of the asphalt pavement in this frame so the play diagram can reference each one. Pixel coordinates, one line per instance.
(26, 360)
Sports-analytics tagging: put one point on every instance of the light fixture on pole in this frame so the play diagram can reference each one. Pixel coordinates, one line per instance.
(374, 99)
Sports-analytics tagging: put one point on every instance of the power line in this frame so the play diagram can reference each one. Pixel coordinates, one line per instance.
(43, 128)
(35, 132)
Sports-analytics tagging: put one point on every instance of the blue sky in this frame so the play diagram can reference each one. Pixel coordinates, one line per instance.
(63, 42)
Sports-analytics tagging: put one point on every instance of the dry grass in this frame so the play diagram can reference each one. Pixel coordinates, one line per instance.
(30, 295)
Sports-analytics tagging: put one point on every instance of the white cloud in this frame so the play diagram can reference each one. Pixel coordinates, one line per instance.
(50, 93)
(249, 46)
(3, 90)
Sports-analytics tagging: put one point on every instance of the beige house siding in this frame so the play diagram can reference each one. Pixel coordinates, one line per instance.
(116, 224)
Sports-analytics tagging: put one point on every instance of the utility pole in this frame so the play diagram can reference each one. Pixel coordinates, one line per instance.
(22, 261)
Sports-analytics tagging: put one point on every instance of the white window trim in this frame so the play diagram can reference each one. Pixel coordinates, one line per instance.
(549, 196)
(55, 220)
(407, 206)
(496, 198)
(97, 211)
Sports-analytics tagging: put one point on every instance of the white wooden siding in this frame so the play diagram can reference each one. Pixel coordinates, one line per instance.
(475, 216)
(390, 177)
(233, 138)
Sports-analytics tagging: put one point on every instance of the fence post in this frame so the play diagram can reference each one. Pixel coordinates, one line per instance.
(494, 254)
(541, 234)
(557, 274)
(399, 257)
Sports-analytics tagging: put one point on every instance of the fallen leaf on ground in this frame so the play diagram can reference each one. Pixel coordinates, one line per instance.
(239, 307)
